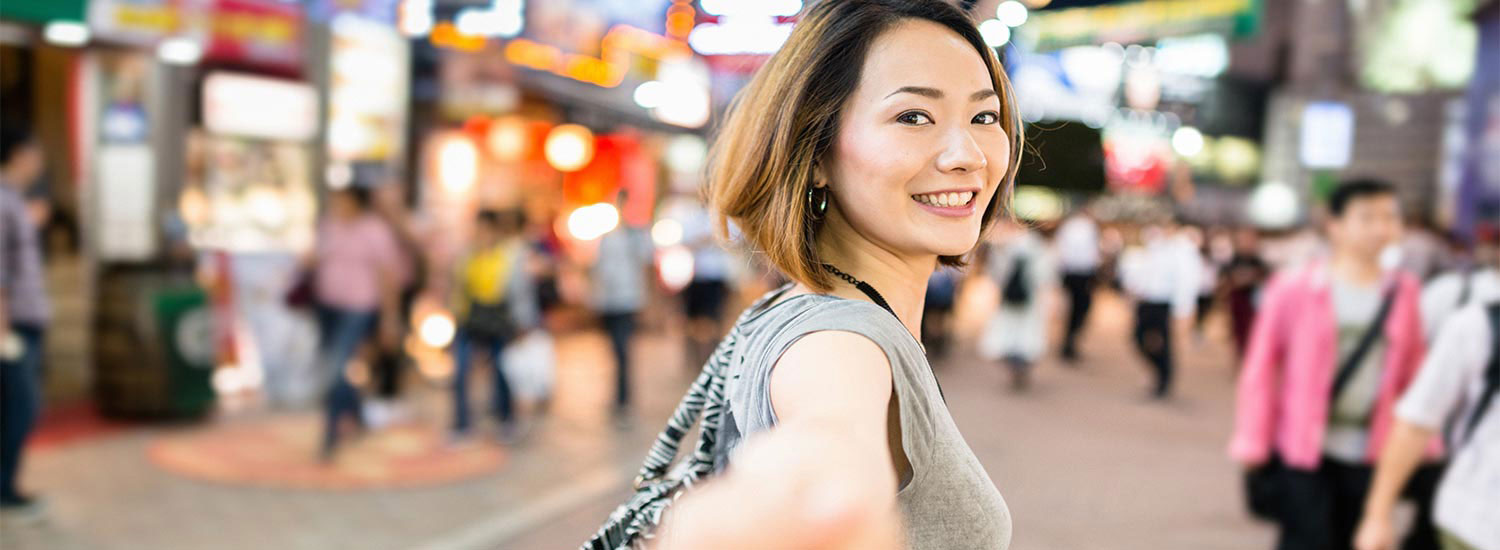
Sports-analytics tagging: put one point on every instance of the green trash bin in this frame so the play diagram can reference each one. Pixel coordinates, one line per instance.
(185, 325)
(153, 345)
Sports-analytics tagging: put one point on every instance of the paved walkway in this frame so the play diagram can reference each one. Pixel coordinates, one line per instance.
(1084, 461)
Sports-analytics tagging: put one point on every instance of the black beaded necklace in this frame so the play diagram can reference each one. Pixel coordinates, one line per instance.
(879, 300)
(862, 286)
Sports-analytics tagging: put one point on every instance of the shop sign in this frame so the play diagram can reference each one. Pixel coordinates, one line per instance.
(264, 32)
(368, 71)
(42, 11)
(238, 105)
(379, 11)
(1141, 21)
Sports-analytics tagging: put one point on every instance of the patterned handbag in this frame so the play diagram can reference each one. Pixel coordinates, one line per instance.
(633, 523)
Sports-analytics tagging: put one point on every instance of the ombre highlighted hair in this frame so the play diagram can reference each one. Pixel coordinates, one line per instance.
(782, 124)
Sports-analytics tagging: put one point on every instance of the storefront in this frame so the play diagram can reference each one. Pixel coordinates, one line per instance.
(1147, 111)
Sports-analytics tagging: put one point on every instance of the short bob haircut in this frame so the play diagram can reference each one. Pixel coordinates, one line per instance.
(782, 125)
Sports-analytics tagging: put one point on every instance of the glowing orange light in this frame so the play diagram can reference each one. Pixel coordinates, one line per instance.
(608, 70)
(680, 21)
(446, 35)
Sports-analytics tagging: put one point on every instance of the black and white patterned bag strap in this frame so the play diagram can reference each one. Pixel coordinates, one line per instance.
(633, 523)
(707, 392)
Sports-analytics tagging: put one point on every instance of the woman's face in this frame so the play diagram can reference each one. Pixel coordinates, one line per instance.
(920, 149)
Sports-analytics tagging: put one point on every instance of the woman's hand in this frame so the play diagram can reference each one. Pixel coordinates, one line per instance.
(790, 489)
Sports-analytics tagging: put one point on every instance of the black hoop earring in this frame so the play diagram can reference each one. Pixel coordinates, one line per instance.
(817, 202)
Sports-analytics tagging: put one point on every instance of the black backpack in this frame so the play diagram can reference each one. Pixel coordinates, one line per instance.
(1017, 289)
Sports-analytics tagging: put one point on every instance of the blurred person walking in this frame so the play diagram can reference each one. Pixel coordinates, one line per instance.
(937, 311)
(1023, 270)
(806, 168)
(1456, 388)
(1475, 283)
(1243, 277)
(703, 298)
(411, 275)
(24, 313)
(621, 278)
(357, 285)
(496, 303)
(1336, 343)
(1078, 256)
(1162, 277)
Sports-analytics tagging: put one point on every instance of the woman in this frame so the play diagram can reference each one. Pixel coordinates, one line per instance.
(1023, 270)
(875, 146)
(356, 283)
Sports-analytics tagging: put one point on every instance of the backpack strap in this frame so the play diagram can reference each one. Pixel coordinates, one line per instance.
(1491, 374)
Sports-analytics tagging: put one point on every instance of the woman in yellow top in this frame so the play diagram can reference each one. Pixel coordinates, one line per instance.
(494, 304)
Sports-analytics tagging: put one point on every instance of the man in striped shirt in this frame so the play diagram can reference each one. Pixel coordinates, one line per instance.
(24, 311)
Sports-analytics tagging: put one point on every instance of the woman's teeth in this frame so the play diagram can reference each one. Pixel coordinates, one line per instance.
(945, 200)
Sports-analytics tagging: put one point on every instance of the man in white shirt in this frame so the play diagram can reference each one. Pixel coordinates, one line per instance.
(1078, 258)
(1163, 277)
(1451, 291)
(1457, 382)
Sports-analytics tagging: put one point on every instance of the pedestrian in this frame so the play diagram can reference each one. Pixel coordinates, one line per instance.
(875, 145)
(1208, 281)
(1243, 277)
(621, 275)
(937, 311)
(1078, 256)
(1475, 283)
(1023, 271)
(495, 304)
(1335, 343)
(411, 276)
(1456, 387)
(356, 281)
(704, 296)
(1162, 277)
(25, 312)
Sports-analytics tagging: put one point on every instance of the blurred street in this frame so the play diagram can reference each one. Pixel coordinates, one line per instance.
(1077, 450)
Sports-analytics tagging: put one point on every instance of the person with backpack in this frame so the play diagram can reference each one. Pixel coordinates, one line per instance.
(495, 304)
(1023, 271)
(1476, 283)
(1456, 388)
(1335, 344)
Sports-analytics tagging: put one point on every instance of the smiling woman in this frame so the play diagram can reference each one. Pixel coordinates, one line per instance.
(879, 142)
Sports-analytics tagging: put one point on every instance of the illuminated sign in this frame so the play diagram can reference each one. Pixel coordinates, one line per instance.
(1138, 21)
(226, 97)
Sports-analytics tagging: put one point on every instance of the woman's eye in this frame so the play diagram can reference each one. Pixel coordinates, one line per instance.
(913, 118)
(987, 117)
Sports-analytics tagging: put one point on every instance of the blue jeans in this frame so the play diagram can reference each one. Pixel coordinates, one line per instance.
(20, 404)
(464, 346)
(342, 332)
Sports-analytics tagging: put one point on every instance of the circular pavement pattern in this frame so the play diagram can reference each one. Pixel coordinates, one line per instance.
(282, 452)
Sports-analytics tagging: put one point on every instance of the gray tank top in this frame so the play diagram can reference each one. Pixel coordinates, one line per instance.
(950, 501)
